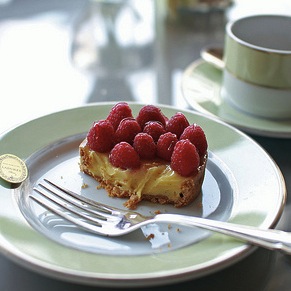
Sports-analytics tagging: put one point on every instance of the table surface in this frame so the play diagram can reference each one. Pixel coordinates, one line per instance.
(41, 72)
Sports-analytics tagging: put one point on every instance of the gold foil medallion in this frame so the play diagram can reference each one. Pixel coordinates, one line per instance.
(12, 169)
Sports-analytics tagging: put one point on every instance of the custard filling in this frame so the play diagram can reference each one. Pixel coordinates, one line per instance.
(152, 178)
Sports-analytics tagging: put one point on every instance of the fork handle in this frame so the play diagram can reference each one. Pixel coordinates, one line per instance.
(267, 238)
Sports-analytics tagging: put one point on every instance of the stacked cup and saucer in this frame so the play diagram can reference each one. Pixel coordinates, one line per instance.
(250, 87)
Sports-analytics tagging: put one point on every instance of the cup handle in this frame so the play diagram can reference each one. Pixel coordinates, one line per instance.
(214, 56)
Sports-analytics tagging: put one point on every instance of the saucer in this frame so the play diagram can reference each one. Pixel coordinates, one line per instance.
(201, 86)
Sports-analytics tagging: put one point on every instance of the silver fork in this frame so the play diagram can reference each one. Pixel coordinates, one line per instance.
(110, 221)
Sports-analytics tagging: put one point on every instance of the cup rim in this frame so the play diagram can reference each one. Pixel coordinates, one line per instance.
(230, 33)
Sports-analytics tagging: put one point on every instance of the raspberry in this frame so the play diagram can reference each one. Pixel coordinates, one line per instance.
(124, 156)
(101, 136)
(177, 123)
(165, 145)
(145, 146)
(155, 129)
(196, 135)
(150, 113)
(127, 129)
(185, 158)
(118, 112)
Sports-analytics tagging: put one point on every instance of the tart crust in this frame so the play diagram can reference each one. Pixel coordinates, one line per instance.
(154, 181)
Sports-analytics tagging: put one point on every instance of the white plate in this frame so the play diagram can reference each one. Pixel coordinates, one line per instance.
(242, 185)
(201, 85)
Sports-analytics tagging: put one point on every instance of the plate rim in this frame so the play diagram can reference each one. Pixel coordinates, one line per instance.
(242, 126)
(156, 278)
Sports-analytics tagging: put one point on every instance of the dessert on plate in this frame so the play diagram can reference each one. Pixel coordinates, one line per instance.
(147, 157)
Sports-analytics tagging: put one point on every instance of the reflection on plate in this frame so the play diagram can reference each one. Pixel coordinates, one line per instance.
(236, 188)
(201, 84)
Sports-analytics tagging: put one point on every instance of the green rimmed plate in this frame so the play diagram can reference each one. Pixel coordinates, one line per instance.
(201, 85)
(255, 185)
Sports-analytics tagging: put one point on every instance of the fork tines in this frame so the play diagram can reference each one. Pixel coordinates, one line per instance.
(69, 205)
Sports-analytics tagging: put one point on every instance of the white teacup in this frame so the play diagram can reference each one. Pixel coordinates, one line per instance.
(257, 65)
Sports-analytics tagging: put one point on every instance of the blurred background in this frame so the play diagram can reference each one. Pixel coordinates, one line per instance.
(60, 54)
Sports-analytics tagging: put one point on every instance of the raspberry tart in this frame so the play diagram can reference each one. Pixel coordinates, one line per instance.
(147, 157)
